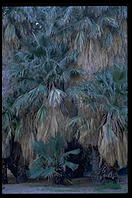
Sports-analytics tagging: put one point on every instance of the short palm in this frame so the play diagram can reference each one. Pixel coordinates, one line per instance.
(52, 160)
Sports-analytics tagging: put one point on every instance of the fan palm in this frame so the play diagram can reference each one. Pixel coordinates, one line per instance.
(82, 23)
(41, 71)
(52, 160)
(108, 92)
(11, 124)
(43, 68)
(38, 75)
(17, 22)
(107, 95)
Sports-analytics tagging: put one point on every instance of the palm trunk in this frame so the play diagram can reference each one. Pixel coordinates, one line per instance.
(108, 173)
(4, 171)
(102, 174)
(15, 164)
(21, 174)
(60, 177)
(95, 166)
(12, 166)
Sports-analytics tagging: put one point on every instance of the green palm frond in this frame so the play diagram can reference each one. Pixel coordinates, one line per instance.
(51, 155)
(17, 23)
(108, 41)
(119, 75)
(41, 115)
(71, 165)
(18, 130)
(56, 145)
(36, 169)
(65, 22)
(18, 71)
(73, 152)
(76, 120)
(80, 41)
(108, 89)
(28, 98)
(7, 114)
(111, 21)
(48, 172)
(11, 123)
(41, 149)
(67, 60)
(75, 92)
(6, 120)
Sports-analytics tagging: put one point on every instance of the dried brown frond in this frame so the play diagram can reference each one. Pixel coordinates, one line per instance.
(113, 143)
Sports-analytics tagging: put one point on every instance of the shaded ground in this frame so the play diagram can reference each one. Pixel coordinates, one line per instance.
(79, 186)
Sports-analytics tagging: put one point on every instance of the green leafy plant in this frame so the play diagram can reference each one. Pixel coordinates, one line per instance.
(108, 92)
(52, 160)
(11, 124)
(40, 71)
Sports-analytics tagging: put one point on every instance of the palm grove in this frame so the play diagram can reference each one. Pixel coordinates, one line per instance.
(64, 91)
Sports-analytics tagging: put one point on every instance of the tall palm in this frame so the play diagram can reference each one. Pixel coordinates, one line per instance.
(77, 24)
(107, 95)
(41, 72)
(17, 22)
(92, 30)
(38, 76)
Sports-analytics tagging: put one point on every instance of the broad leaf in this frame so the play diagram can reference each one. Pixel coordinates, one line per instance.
(41, 149)
(71, 165)
(73, 152)
(48, 172)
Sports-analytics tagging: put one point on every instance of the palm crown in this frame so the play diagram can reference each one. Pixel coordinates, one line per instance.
(50, 156)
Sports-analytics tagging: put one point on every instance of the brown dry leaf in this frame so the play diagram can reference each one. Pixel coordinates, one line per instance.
(107, 144)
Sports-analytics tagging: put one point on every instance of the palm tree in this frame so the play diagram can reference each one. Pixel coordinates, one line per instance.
(52, 160)
(42, 68)
(38, 76)
(17, 22)
(11, 151)
(107, 96)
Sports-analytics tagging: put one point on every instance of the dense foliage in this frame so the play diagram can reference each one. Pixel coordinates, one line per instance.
(49, 55)
(52, 160)
(106, 93)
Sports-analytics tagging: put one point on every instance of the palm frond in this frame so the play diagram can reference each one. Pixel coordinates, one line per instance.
(36, 169)
(80, 41)
(76, 120)
(10, 33)
(73, 152)
(56, 96)
(68, 73)
(68, 60)
(107, 144)
(56, 145)
(71, 165)
(41, 149)
(48, 172)
(41, 115)
(107, 89)
(18, 130)
(51, 156)
(28, 98)
(6, 120)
